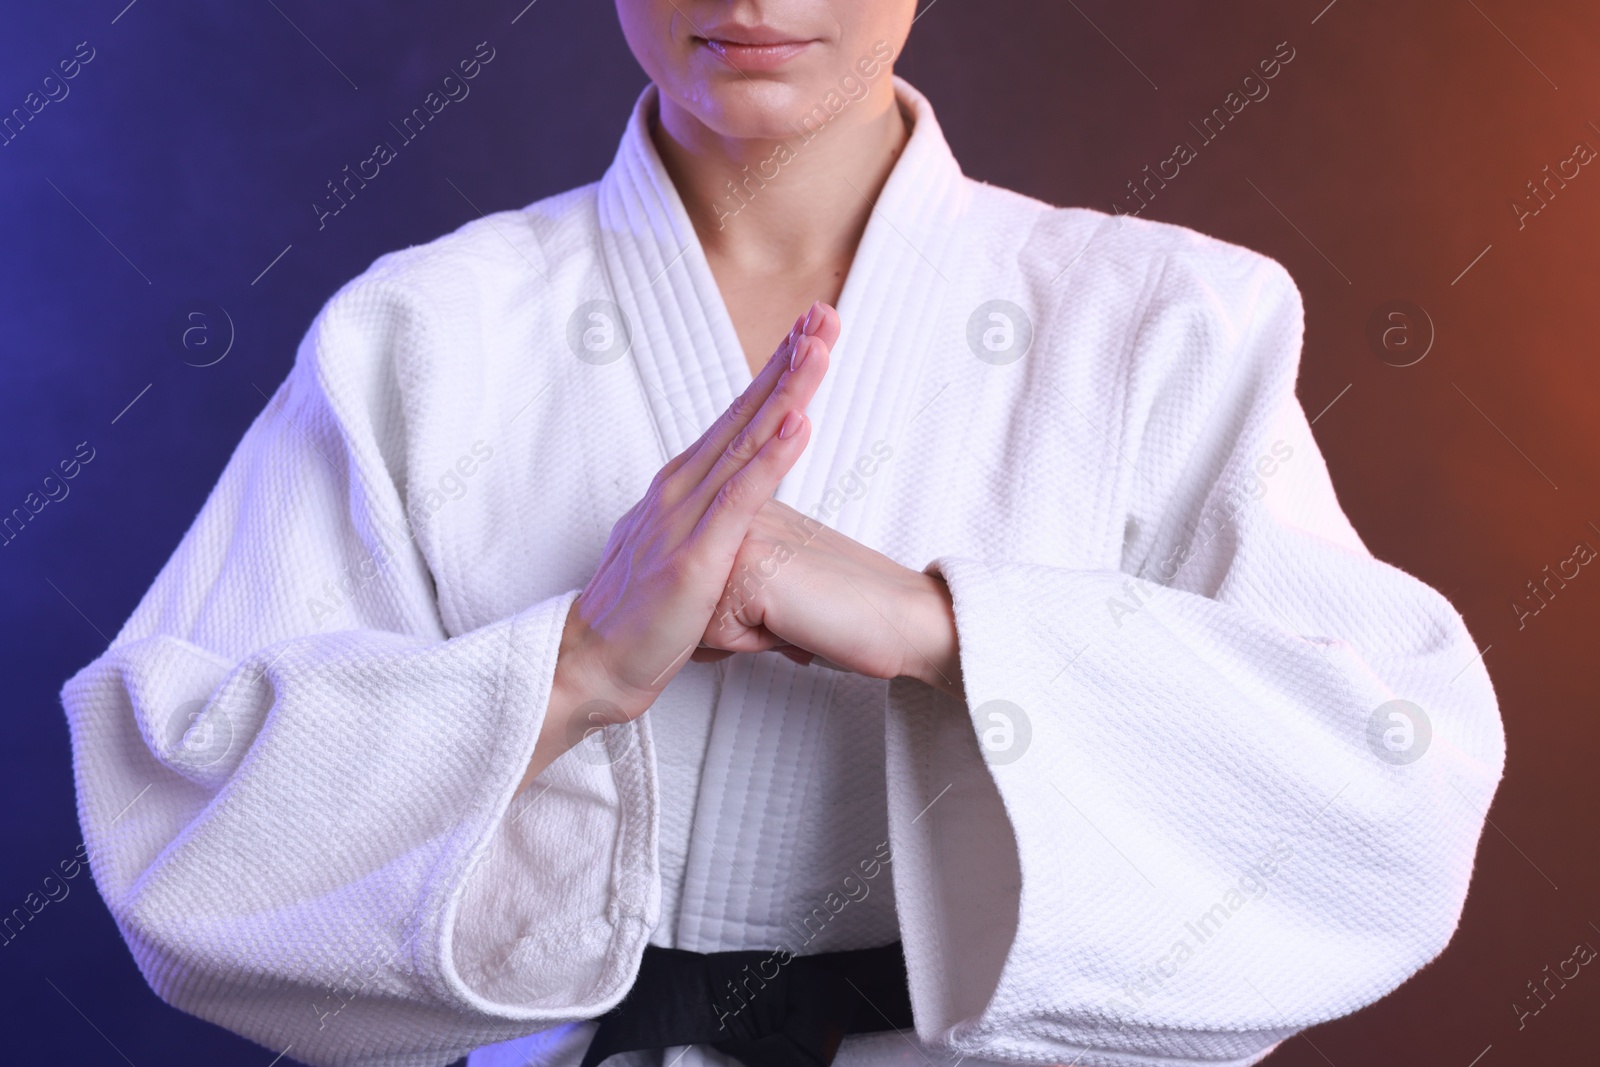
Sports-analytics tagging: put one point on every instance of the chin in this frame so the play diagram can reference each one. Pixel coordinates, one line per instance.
(762, 110)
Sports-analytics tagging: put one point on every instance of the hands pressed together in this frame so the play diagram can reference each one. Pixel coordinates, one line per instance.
(707, 564)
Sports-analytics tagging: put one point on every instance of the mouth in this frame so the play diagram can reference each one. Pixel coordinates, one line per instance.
(753, 48)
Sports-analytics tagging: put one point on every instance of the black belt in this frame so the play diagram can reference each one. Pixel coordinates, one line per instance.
(765, 1009)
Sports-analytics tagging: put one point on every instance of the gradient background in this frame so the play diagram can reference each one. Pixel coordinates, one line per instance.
(189, 151)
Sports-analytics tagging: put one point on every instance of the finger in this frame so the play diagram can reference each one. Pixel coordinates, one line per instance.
(791, 396)
(739, 412)
(751, 639)
(728, 515)
(800, 655)
(821, 322)
(736, 417)
(747, 402)
(827, 326)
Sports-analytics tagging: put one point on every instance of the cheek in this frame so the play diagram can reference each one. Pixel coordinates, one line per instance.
(647, 26)
(866, 24)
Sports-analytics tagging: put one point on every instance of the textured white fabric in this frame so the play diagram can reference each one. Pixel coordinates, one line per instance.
(295, 763)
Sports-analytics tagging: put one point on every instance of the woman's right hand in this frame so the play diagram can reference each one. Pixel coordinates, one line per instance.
(669, 557)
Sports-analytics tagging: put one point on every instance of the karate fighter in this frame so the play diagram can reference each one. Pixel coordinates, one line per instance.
(786, 602)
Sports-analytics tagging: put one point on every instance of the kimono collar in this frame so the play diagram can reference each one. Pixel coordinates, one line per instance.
(683, 343)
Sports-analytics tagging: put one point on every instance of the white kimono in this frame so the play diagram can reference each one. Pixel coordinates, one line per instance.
(1193, 825)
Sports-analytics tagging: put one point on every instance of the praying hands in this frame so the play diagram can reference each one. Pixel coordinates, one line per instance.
(707, 564)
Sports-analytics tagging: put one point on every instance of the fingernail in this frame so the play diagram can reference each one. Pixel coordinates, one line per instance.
(813, 319)
(791, 423)
(800, 349)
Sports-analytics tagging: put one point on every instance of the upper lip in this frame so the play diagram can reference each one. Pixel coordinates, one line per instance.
(735, 34)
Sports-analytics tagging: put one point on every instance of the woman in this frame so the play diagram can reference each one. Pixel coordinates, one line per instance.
(993, 663)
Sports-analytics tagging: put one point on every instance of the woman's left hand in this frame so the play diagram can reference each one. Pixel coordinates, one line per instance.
(801, 588)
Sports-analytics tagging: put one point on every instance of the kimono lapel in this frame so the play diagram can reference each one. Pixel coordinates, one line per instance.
(896, 299)
(684, 347)
(687, 353)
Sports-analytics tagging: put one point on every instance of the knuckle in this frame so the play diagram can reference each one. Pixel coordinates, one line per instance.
(733, 493)
(743, 448)
(742, 409)
(666, 491)
(622, 530)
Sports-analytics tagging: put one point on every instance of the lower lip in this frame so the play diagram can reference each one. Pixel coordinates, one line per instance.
(755, 56)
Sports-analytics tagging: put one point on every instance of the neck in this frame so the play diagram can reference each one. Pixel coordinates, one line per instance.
(767, 205)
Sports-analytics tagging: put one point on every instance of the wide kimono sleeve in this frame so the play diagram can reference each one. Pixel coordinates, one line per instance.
(1224, 791)
(297, 789)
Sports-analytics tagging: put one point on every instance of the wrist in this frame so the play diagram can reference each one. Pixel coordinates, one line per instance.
(583, 674)
(936, 658)
(583, 695)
